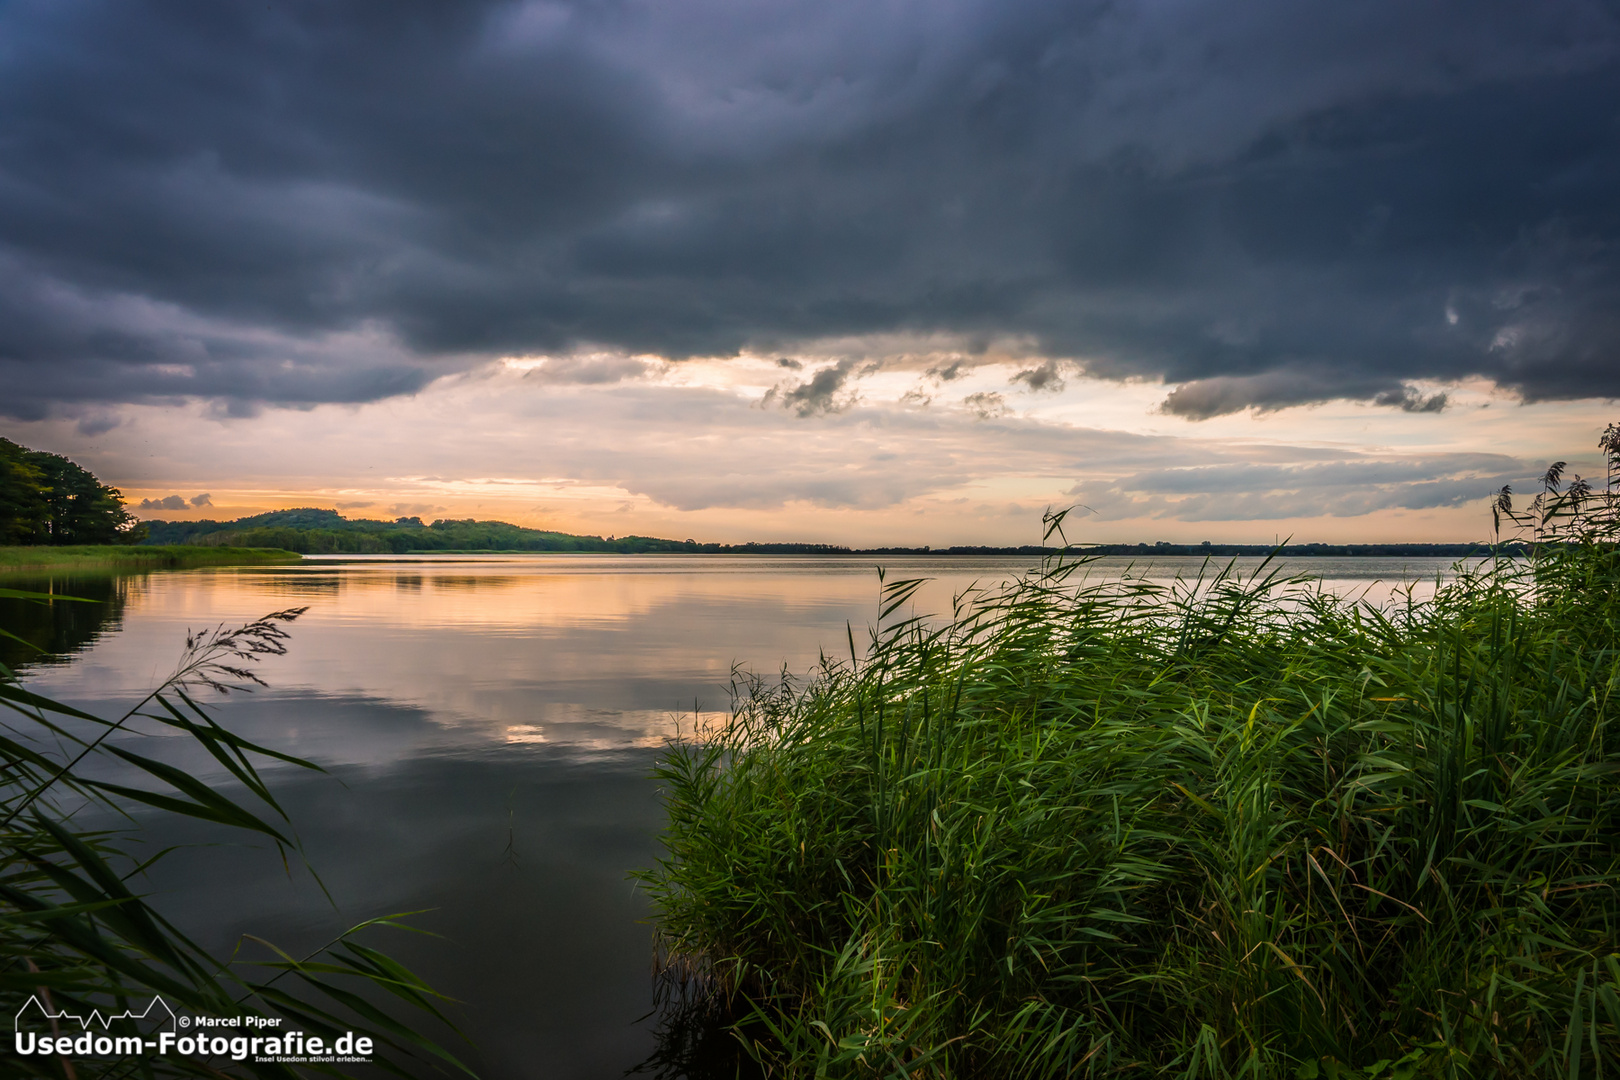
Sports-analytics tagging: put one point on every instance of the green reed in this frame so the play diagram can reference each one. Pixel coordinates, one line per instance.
(114, 558)
(1230, 827)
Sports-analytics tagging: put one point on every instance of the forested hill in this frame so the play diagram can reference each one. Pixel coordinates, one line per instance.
(315, 531)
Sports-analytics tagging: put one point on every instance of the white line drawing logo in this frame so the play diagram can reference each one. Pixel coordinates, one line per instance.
(152, 1031)
(163, 1015)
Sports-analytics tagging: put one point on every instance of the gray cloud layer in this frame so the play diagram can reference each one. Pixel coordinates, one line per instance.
(1270, 201)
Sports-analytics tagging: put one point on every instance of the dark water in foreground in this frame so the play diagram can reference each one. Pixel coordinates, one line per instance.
(488, 725)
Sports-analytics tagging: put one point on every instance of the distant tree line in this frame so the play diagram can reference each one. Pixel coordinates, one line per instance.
(47, 499)
(326, 532)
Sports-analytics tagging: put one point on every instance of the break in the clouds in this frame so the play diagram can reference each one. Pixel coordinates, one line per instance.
(693, 452)
(1263, 202)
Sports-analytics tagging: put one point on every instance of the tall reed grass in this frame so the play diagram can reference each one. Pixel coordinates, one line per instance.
(1229, 827)
(77, 933)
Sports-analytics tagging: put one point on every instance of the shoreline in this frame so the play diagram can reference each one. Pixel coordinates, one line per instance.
(113, 558)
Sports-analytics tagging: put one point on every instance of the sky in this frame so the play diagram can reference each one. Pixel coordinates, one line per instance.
(847, 271)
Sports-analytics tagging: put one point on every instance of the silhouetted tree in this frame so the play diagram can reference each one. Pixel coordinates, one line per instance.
(22, 495)
(47, 499)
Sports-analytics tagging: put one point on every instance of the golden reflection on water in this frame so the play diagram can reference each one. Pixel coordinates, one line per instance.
(591, 652)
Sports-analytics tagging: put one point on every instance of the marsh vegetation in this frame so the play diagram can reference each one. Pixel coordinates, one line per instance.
(109, 558)
(1226, 827)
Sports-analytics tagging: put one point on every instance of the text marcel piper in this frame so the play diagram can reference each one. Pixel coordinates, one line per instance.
(236, 1021)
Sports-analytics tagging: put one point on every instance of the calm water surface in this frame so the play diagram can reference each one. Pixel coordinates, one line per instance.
(488, 725)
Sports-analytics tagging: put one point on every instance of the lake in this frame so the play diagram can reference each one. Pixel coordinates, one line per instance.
(488, 725)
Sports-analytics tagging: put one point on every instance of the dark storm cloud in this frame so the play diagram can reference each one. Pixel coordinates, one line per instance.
(1407, 399)
(1289, 384)
(822, 393)
(1045, 376)
(1268, 201)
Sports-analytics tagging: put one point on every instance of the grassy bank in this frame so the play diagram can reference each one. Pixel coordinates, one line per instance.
(1229, 828)
(93, 557)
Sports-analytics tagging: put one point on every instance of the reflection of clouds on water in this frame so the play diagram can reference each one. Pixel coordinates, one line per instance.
(518, 858)
(593, 653)
(397, 659)
(341, 731)
(525, 733)
(584, 728)
(333, 730)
